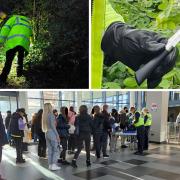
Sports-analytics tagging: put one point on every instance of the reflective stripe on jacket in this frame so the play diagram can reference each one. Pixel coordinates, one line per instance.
(16, 32)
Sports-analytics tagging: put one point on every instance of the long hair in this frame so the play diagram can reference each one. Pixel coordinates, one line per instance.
(46, 111)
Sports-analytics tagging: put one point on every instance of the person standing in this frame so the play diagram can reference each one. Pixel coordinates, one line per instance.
(83, 124)
(63, 131)
(17, 127)
(98, 128)
(123, 126)
(3, 137)
(139, 125)
(15, 35)
(147, 125)
(52, 136)
(106, 129)
(7, 122)
(72, 137)
(40, 134)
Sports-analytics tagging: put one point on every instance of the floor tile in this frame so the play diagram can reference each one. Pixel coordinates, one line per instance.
(135, 161)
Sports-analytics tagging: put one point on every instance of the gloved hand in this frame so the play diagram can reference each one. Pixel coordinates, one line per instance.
(134, 47)
(167, 65)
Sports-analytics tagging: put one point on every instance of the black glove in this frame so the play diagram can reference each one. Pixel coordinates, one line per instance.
(167, 65)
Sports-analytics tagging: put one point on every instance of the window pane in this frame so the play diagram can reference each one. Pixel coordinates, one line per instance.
(51, 95)
(34, 94)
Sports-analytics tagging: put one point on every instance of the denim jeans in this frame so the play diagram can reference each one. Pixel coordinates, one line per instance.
(52, 146)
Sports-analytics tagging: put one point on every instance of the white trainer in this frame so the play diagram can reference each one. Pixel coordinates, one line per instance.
(50, 166)
(54, 167)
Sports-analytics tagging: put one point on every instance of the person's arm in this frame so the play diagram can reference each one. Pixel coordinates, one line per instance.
(52, 124)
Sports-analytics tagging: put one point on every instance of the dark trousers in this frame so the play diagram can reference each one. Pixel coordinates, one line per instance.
(9, 59)
(146, 137)
(64, 141)
(83, 137)
(19, 147)
(42, 145)
(140, 138)
(72, 142)
(101, 143)
(0, 153)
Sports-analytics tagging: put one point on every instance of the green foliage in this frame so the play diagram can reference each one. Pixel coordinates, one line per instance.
(162, 16)
(59, 55)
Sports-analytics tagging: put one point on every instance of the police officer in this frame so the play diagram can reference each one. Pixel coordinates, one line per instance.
(147, 125)
(15, 33)
(139, 125)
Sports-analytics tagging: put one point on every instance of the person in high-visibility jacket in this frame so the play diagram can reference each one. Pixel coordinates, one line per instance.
(139, 125)
(15, 34)
(147, 125)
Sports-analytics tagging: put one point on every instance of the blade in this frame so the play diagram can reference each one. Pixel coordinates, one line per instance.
(173, 41)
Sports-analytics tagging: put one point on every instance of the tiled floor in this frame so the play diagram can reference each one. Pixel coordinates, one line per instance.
(161, 163)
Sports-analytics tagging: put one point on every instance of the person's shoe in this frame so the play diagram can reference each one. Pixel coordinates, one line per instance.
(88, 163)
(139, 153)
(73, 164)
(123, 146)
(65, 162)
(20, 161)
(59, 160)
(54, 167)
(105, 156)
(98, 156)
(50, 166)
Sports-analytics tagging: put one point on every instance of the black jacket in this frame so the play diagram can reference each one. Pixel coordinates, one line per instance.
(62, 126)
(98, 123)
(7, 121)
(85, 123)
(3, 136)
(107, 122)
(14, 126)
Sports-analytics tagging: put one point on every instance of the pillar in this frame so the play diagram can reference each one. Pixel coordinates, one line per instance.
(160, 100)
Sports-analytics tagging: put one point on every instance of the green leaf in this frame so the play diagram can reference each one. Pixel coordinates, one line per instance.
(171, 25)
(111, 85)
(163, 6)
(165, 84)
(130, 82)
(170, 75)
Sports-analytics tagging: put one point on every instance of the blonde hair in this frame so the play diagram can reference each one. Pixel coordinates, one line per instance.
(46, 111)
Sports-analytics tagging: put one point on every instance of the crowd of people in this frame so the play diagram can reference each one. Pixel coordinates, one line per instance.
(69, 132)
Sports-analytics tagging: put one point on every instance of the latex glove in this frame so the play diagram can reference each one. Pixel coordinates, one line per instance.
(131, 46)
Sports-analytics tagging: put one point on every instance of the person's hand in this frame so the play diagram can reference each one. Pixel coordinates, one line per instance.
(58, 139)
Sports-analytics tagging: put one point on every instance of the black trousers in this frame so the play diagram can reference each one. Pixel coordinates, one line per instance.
(41, 145)
(146, 137)
(9, 59)
(64, 142)
(72, 142)
(101, 143)
(19, 147)
(140, 138)
(0, 153)
(83, 137)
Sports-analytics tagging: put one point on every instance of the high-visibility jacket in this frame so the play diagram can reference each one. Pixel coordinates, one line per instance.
(149, 120)
(16, 32)
(140, 121)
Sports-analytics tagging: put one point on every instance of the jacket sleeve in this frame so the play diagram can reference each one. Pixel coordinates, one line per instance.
(52, 124)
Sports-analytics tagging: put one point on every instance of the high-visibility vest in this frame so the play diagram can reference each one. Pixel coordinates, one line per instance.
(16, 32)
(140, 122)
(149, 120)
